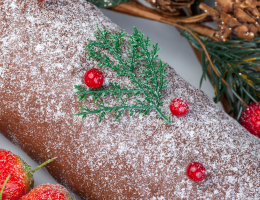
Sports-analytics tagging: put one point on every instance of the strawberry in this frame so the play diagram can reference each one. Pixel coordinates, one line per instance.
(3, 187)
(48, 192)
(21, 180)
(250, 118)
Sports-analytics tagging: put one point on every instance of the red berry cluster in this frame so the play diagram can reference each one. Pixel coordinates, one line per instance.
(250, 119)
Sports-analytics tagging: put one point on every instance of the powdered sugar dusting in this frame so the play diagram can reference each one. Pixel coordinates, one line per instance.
(42, 55)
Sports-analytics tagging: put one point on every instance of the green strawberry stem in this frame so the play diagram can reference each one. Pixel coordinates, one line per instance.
(3, 187)
(43, 164)
(73, 197)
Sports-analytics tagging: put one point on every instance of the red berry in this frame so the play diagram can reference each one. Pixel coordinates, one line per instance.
(48, 192)
(21, 180)
(196, 171)
(250, 119)
(179, 107)
(94, 78)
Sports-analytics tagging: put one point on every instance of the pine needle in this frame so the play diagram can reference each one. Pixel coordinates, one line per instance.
(234, 73)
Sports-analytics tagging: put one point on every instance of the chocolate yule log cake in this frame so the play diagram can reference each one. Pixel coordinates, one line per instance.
(43, 55)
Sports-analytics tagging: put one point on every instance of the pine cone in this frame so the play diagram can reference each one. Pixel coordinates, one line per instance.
(170, 7)
(240, 17)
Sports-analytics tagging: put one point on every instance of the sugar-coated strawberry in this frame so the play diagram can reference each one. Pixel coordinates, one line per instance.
(21, 180)
(3, 186)
(48, 192)
(250, 119)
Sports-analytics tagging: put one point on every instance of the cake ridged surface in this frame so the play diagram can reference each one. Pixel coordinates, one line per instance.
(42, 57)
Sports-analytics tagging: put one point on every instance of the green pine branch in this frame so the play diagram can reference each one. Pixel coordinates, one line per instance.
(140, 65)
(235, 61)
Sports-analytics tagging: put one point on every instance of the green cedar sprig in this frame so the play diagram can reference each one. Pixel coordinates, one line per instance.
(113, 90)
(140, 65)
(235, 60)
